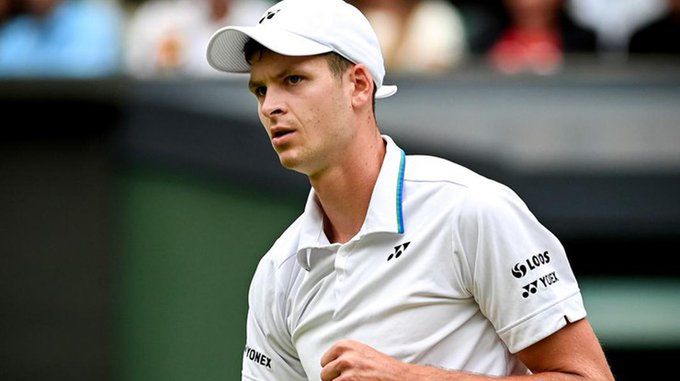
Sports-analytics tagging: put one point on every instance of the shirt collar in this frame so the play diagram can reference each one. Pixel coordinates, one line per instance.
(384, 209)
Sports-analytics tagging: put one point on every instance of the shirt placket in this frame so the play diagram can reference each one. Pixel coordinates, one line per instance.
(343, 277)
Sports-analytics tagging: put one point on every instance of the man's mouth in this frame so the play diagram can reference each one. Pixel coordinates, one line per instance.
(280, 134)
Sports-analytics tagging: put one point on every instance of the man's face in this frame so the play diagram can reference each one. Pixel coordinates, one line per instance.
(304, 108)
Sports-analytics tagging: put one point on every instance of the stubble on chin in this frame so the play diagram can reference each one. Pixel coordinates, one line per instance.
(290, 160)
(300, 161)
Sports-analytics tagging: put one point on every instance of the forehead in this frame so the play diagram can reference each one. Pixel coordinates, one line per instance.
(268, 63)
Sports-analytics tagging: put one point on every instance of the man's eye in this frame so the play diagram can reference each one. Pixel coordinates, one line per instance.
(261, 91)
(294, 79)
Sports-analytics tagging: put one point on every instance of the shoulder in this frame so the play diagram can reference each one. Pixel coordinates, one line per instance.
(474, 193)
(279, 265)
(285, 247)
(435, 170)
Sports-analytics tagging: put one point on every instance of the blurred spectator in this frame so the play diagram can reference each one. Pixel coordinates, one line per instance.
(615, 21)
(423, 36)
(662, 36)
(60, 38)
(483, 22)
(536, 38)
(169, 37)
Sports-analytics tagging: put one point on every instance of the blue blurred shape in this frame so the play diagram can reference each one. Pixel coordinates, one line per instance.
(76, 39)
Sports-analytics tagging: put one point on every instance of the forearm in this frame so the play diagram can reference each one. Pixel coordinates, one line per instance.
(348, 359)
(428, 373)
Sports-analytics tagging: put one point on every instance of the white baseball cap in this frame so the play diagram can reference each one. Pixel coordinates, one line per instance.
(304, 28)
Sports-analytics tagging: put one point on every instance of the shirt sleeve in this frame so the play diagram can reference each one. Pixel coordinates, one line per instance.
(269, 353)
(518, 271)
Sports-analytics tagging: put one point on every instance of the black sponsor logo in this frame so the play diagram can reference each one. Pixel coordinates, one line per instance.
(529, 289)
(549, 280)
(270, 15)
(398, 251)
(257, 357)
(519, 270)
(545, 281)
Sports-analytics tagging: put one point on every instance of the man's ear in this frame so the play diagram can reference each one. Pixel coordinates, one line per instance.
(362, 91)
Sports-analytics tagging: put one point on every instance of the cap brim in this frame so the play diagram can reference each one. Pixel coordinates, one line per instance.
(225, 49)
(385, 91)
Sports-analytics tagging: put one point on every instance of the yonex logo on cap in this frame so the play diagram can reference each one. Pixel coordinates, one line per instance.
(270, 15)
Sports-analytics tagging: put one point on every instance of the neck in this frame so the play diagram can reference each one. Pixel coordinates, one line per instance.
(344, 190)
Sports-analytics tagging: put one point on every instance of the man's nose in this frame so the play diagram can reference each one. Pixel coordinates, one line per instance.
(273, 104)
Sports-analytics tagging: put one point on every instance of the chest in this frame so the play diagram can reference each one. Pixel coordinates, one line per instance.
(398, 293)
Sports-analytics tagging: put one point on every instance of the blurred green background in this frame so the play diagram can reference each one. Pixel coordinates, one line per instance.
(190, 249)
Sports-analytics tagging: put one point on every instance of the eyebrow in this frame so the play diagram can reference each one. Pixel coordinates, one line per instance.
(252, 85)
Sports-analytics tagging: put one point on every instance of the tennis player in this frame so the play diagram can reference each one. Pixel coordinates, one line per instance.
(400, 267)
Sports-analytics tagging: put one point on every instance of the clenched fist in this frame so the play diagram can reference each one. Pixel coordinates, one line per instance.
(351, 360)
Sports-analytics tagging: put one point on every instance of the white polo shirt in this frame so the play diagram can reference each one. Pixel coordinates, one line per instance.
(449, 269)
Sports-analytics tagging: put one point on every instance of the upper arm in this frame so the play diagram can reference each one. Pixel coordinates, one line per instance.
(573, 349)
(269, 353)
(518, 272)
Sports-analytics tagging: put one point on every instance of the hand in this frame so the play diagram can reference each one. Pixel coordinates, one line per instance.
(352, 360)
